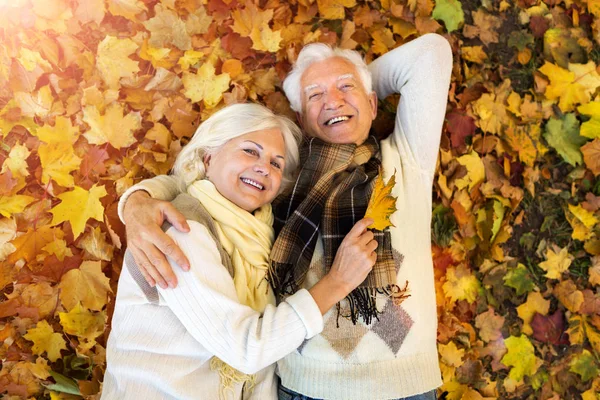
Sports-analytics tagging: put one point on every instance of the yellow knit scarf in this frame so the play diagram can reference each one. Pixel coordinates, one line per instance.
(247, 238)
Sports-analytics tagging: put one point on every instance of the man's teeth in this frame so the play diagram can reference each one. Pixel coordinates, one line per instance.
(337, 119)
(253, 183)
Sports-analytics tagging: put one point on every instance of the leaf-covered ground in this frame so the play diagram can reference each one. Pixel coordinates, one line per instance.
(96, 95)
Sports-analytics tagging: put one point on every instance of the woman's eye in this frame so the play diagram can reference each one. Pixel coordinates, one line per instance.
(251, 152)
(276, 164)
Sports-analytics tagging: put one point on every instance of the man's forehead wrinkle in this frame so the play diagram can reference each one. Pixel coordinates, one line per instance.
(345, 76)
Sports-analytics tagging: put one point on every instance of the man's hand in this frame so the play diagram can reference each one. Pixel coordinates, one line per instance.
(353, 261)
(148, 243)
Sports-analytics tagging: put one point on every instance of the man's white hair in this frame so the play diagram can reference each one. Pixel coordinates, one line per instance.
(316, 52)
(229, 123)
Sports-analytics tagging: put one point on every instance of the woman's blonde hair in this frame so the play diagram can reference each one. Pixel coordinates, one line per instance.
(229, 123)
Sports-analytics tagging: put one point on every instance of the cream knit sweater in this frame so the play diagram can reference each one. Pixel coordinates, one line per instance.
(396, 356)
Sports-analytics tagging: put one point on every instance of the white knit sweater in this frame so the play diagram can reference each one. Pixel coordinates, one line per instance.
(397, 355)
(162, 351)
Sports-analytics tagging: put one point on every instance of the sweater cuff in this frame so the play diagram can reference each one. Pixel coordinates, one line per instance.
(125, 197)
(308, 311)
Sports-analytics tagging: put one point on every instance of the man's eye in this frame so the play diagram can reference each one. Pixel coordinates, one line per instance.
(347, 86)
(314, 96)
(251, 152)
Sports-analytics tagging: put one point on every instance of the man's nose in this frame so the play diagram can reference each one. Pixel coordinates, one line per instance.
(335, 99)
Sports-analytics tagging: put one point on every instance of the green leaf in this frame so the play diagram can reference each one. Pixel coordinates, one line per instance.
(520, 357)
(520, 40)
(519, 280)
(63, 384)
(563, 135)
(449, 11)
(584, 365)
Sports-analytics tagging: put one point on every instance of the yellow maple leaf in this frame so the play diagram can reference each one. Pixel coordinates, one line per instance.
(451, 355)
(14, 204)
(62, 131)
(569, 296)
(41, 296)
(51, 14)
(35, 104)
(382, 203)
(189, 58)
(586, 217)
(78, 206)
(87, 285)
(199, 22)
(474, 54)
(383, 41)
(535, 304)
(113, 60)
(30, 244)
(91, 11)
(491, 112)
(112, 127)
(126, 8)
(556, 262)
(461, 284)
(45, 340)
(334, 9)
(82, 322)
(17, 161)
(40, 369)
(205, 85)
(475, 170)
(167, 28)
(30, 59)
(95, 244)
(59, 248)
(58, 161)
(264, 39)
(526, 140)
(572, 86)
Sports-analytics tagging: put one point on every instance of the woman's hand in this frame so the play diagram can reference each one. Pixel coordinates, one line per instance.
(148, 243)
(353, 261)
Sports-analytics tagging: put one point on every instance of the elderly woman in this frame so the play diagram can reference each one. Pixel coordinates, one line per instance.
(217, 334)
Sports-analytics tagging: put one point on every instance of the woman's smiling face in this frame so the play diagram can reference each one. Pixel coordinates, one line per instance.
(248, 170)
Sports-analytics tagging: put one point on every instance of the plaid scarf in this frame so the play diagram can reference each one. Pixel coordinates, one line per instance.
(331, 194)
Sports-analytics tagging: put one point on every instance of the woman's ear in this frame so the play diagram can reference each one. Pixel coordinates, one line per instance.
(206, 160)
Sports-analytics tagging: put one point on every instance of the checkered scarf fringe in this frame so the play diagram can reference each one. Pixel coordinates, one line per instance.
(331, 194)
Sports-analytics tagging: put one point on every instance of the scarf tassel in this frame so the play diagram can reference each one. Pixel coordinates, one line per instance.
(363, 302)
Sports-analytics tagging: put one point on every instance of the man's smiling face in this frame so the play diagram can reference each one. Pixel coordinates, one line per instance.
(336, 107)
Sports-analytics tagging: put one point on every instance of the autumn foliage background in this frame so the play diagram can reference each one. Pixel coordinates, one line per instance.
(96, 95)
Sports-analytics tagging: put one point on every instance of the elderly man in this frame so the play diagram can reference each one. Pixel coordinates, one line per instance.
(380, 343)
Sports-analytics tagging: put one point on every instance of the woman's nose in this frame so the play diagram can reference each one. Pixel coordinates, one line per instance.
(262, 167)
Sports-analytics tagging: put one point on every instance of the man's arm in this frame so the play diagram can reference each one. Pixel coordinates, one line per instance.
(420, 71)
(143, 208)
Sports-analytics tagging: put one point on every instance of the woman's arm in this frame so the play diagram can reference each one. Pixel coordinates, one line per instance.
(205, 301)
(420, 71)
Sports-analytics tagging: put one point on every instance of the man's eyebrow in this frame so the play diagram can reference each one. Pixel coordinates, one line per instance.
(260, 147)
(309, 87)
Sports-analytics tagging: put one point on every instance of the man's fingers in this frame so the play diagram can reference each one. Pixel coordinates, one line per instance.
(175, 218)
(145, 267)
(168, 247)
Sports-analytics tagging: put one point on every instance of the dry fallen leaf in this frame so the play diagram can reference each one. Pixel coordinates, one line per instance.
(382, 203)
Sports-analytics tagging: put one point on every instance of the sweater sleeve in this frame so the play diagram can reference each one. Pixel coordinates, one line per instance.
(205, 301)
(161, 187)
(420, 71)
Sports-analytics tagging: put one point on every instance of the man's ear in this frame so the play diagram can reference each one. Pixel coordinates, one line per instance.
(300, 120)
(373, 103)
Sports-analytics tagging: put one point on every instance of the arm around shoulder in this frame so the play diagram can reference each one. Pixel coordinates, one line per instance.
(206, 303)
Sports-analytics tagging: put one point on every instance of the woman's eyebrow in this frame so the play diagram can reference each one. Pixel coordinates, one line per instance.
(260, 147)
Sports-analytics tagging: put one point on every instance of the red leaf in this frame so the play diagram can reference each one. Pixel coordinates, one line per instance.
(550, 329)
(460, 127)
(539, 25)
